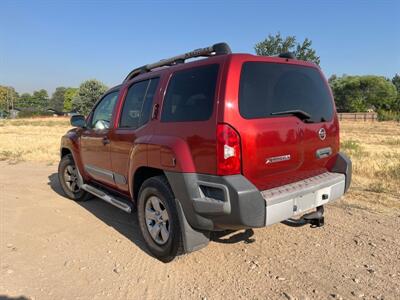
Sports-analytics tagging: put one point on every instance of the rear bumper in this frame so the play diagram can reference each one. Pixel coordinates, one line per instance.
(299, 197)
(232, 202)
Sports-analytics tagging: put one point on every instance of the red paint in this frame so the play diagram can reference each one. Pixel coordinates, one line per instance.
(193, 147)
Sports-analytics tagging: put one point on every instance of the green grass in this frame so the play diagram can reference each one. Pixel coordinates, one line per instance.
(353, 148)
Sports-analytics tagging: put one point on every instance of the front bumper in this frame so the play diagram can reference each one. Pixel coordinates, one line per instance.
(232, 202)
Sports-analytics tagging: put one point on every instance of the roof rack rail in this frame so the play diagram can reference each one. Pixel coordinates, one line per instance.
(287, 55)
(216, 49)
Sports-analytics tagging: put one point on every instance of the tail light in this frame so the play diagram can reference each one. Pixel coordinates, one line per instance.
(228, 150)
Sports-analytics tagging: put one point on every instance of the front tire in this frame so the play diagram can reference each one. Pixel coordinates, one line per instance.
(158, 219)
(68, 177)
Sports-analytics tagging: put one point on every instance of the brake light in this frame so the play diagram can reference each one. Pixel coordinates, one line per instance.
(228, 150)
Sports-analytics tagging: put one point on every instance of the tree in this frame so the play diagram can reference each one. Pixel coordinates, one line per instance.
(39, 100)
(87, 95)
(396, 82)
(332, 78)
(24, 101)
(57, 99)
(274, 45)
(8, 98)
(68, 97)
(360, 93)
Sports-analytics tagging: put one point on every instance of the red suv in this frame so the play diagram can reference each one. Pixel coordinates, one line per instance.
(231, 141)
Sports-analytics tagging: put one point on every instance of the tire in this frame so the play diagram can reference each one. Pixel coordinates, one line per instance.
(153, 190)
(67, 175)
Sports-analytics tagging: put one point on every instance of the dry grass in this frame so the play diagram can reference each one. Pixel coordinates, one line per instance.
(36, 139)
(373, 147)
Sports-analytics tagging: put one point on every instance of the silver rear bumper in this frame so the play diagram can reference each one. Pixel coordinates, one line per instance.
(299, 197)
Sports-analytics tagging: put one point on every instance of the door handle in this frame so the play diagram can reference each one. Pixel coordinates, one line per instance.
(106, 141)
(323, 152)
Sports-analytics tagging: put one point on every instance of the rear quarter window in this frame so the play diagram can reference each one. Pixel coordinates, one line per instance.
(190, 95)
(267, 88)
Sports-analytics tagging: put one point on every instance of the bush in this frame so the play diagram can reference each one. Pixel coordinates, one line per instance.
(30, 114)
(387, 115)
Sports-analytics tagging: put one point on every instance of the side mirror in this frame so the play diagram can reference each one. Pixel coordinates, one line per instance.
(78, 121)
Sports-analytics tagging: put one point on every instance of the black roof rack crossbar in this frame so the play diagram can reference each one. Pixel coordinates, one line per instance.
(290, 55)
(216, 49)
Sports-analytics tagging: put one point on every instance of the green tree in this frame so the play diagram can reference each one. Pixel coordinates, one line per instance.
(332, 78)
(396, 82)
(360, 93)
(68, 97)
(87, 95)
(24, 101)
(276, 44)
(39, 100)
(57, 99)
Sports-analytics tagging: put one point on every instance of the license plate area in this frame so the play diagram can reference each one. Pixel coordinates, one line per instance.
(284, 203)
(304, 203)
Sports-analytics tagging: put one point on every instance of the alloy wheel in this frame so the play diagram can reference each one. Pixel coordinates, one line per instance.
(71, 178)
(157, 220)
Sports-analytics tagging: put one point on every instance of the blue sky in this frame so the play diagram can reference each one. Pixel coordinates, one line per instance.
(45, 44)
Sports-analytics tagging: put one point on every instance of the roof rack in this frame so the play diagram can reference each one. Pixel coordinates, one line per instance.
(216, 49)
(287, 55)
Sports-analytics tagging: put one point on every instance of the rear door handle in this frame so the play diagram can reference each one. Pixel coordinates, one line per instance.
(106, 140)
(323, 152)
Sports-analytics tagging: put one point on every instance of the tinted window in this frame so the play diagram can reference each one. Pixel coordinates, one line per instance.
(148, 101)
(138, 102)
(190, 95)
(103, 112)
(267, 88)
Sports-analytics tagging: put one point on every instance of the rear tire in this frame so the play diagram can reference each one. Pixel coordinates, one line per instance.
(68, 177)
(158, 219)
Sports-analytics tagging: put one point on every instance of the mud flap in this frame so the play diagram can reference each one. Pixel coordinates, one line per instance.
(192, 239)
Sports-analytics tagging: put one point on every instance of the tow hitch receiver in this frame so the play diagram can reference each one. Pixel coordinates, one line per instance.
(316, 218)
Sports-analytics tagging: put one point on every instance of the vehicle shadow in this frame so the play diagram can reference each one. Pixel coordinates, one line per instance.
(5, 297)
(295, 222)
(242, 236)
(126, 224)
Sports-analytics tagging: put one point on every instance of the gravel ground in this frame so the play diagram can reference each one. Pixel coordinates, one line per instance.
(53, 248)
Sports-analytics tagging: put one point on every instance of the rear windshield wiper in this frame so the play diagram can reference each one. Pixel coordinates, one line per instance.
(302, 115)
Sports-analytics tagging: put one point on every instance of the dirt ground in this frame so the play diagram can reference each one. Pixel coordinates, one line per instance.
(54, 248)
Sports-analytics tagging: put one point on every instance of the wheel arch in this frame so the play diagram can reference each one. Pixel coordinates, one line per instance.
(141, 175)
(65, 151)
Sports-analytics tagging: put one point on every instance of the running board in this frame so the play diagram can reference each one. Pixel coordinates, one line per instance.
(107, 198)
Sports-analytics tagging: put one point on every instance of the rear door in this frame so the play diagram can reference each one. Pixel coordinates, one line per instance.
(288, 131)
(134, 122)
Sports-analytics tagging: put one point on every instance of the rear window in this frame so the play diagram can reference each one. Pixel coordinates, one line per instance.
(268, 88)
(190, 95)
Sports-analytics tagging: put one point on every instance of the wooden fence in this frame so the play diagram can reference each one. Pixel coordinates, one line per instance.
(360, 116)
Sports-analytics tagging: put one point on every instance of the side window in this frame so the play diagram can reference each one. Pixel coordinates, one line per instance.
(190, 95)
(103, 112)
(138, 102)
(148, 101)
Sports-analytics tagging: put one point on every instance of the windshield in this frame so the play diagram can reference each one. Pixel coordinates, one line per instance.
(268, 89)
